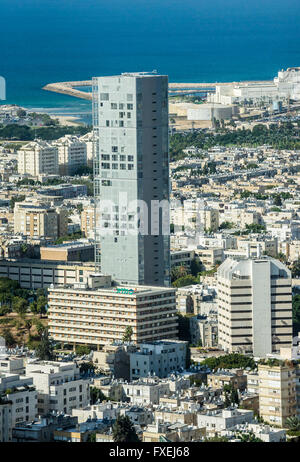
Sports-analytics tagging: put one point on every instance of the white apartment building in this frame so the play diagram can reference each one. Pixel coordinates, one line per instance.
(88, 139)
(5, 422)
(191, 215)
(59, 386)
(217, 420)
(158, 358)
(19, 390)
(98, 317)
(72, 154)
(38, 157)
(254, 306)
(149, 390)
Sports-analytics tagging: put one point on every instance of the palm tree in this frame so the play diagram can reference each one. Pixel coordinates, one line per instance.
(293, 423)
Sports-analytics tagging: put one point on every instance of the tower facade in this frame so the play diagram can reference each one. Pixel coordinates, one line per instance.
(254, 306)
(131, 178)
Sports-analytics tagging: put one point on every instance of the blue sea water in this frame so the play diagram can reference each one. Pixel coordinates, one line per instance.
(43, 41)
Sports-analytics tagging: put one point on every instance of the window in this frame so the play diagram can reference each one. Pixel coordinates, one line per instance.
(104, 96)
(129, 97)
(114, 106)
(129, 107)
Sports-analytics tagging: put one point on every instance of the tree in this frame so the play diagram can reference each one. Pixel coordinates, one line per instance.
(28, 325)
(230, 361)
(40, 328)
(293, 423)
(15, 199)
(185, 281)
(296, 314)
(178, 272)
(97, 395)
(41, 304)
(277, 200)
(248, 437)
(183, 327)
(296, 268)
(123, 430)
(44, 350)
(92, 438)
(82, 350)
(8, 337)
(128, 334)
(19, 305)
(196, 266)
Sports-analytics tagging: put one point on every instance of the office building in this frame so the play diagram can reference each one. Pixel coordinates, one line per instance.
(131, 171)
(98, 317)
(35, 274)
(254, 306)
(38, 157)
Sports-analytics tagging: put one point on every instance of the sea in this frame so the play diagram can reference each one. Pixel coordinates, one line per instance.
(190, 40)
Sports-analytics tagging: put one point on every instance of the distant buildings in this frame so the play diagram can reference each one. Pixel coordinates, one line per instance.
(254, 306)
(286, 84)
(132, 164)
(38, 157)
(70, 251)
(34, 274)
(37, 219)
(72, 154)
(88, 221)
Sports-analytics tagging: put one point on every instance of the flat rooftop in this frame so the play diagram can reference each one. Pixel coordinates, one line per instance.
(118, 290)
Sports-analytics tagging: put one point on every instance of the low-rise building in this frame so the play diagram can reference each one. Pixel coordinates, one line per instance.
(158, 358)
(234, 377)
(58, 385)
(74, 251)
(217, 420)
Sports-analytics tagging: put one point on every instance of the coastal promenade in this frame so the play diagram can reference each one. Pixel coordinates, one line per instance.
(72, 88)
